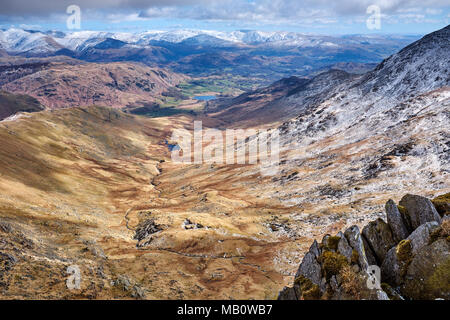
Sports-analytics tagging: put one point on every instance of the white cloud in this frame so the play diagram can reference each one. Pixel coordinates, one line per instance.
(244, 11)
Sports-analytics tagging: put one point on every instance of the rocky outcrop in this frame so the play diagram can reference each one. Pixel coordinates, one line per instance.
(411, 251)
(395, 221)
(144, 232)
(419, 210)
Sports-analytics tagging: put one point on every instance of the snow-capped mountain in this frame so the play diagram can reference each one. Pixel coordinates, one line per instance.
(18, 40)
(407, 85)
(25, 41)
(334, 102)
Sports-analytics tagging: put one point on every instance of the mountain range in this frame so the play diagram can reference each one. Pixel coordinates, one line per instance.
(95, 187)
(268, 55)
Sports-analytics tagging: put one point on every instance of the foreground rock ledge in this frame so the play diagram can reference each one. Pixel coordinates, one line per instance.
(412, 250)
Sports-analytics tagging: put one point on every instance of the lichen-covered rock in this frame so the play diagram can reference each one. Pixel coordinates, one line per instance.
(370, 255)
(415, 262)
(395, 221)
(390, 269)
(421, 236)
(310, 268)
(314, 249)
(344, 248)
(419, 210)
(379, 237)
(355, 241)
(428, 274)
(396, 263)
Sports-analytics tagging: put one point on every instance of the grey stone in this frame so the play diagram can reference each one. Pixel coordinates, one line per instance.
(314, 249)
(355, 241)
(395, 221)
(421, 236)
(390, 269)
(427, 276)
(310, 268)
(379, 237)
(344, 248)
(370, 255)
(419, 210)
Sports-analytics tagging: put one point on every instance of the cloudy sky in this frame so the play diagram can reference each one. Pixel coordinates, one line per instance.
(315, 16)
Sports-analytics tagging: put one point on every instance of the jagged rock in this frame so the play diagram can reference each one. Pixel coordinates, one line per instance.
(145, 229)
(394, 265)
(355, 241)
(314, 249)
(417, 267)
(390, 269)
(370, 255)
(428, 275)
(344, 248)
(188, 225)
(310, 268)
(395, 221)
(126, 285)
(421, 236)
(419, 210)
(379, 237)
(334, 283)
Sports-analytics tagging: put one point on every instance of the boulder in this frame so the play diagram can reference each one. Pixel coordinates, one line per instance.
(390, 269)
(421, 236)
(355, 241)
(379, 237)
(395, 221)
(310, 268)
(398, 258)
(428, 275)
(419, 210)
(344, 248)
(370, 255)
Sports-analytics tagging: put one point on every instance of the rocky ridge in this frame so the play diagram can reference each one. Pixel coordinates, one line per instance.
(411, 249)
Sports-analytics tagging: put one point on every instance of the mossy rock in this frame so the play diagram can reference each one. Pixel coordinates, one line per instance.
(404, 250)
(404, 255)
(442, 204)
(309, 290)
(443, 232)
(332, 263)
(428, 275)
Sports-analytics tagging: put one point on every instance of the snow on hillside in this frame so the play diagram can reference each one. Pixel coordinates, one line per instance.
(18, 40)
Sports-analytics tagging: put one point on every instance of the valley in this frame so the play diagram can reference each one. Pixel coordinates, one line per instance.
(87, 177)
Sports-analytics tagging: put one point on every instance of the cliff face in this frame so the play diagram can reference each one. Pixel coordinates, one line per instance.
(411, 252)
